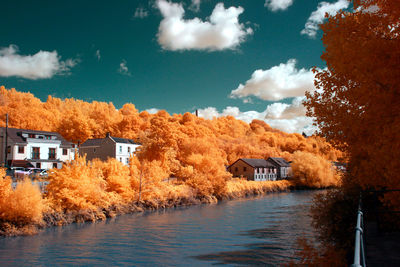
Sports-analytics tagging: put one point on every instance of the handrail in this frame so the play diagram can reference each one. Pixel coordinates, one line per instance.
(359, 253)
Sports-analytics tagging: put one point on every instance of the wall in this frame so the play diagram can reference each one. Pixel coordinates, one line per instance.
(249, 173)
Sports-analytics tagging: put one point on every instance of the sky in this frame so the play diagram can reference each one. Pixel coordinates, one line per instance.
(249, 59)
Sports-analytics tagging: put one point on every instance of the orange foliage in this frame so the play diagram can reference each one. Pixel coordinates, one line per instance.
(22, 205)
(182, 159)
(313, 171)
(357, 108)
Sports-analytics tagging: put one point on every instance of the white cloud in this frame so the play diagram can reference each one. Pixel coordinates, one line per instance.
(41, 65)
(277, 83)
(318, 16)
(98, 55)
(222, 31)
(289, 118)
(141, 13)
(123, 68)
(276, 5)
(195, 6)
(152, 110)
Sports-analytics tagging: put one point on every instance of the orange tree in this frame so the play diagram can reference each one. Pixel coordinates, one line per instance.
(357, 101)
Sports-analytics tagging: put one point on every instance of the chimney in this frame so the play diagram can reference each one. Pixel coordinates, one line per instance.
(197, 113)
(108, 134)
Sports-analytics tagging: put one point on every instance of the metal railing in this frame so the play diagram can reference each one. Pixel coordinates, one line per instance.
(359, 252)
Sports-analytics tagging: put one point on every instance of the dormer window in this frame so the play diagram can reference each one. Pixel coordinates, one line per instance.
(48, 137)
(31, 135)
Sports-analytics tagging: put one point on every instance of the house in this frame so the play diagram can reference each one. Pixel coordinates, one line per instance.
(254, 169)
(284, 168)
(30, 148)
(271, 169)
(109, 147)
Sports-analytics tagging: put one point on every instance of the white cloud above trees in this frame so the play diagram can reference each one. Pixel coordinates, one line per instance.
(289, 118)
(277, 5)
(318, 16)
(42, 65)
(277, 83)
(221, 31)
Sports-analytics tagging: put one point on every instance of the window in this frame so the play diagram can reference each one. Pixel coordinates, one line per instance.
(55, 165)
(129, 149)
(8, 149)
(52, 153)
(120, 149)
(21, 149)
(244, 169)
(31, 136)
(48, 137)
(127, 161)
(94, 150)
(236, 169)
(65, 151)
(40, 137)
(35, 152)
(38, 165)
(120, 159)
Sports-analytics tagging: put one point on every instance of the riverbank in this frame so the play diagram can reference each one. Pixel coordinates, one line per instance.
(174, 195)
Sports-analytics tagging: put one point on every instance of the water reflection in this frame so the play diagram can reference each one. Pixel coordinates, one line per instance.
(260, 231)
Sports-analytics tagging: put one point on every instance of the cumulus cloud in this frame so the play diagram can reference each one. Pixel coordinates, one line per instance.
(221, 31)
(277, 83)
(123, 68)
(195, 6)
(41, 65)
(318, 16)
(276, 5)
(289, 118)
(140, 13)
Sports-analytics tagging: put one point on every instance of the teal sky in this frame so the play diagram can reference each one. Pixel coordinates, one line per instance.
(178, 81)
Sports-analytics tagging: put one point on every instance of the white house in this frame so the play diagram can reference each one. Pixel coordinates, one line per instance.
(30, 148)
(109, 147)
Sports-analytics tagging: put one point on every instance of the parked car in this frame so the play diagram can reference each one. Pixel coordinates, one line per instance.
(21, 173)
(38, 173)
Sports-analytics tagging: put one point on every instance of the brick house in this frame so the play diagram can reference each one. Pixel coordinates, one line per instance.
(254, 169)
(109, 147)
(271, 169)
(30, 148)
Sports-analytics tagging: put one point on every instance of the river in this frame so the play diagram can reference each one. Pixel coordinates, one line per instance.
(255, 231)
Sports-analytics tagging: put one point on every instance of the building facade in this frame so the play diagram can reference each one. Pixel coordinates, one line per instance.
(271, 169)
(283, 167)
(38, 149)
(109, 147)
(253, 169)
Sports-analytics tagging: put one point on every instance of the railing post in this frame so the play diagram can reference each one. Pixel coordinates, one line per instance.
(358, 246)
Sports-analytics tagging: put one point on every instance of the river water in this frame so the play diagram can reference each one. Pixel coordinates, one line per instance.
(255, 231)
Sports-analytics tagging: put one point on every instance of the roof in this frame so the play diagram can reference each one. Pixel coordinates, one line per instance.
(124, 140)
(256, 163)
(15, 134)
(93, 142)
(279, 161)
(21, 163)
(99, 141)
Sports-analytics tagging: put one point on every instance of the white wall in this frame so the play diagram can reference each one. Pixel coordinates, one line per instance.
(122, 154)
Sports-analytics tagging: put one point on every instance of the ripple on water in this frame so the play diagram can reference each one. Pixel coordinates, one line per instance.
(260, 231)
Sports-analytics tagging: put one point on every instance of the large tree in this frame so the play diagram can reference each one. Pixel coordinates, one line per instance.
(357, 108)
(357, 101)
